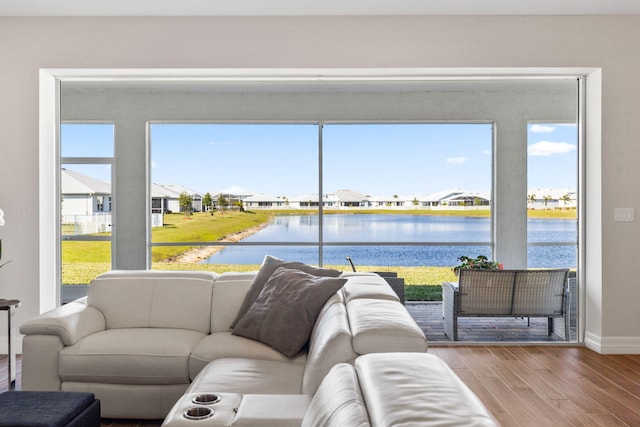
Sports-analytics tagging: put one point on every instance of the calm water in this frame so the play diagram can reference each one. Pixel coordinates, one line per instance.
(394, 228)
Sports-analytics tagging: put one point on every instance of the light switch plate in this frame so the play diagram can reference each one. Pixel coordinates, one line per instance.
(623, 214)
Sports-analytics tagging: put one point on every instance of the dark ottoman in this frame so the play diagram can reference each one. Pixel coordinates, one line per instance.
(49, 409)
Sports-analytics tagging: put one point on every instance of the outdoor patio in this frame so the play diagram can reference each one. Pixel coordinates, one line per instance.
(428, 315)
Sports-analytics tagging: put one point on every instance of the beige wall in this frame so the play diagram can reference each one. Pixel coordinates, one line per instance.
(27, 44)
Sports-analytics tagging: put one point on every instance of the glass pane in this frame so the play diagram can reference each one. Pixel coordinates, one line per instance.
(82, 261)
(232, 182)
(552, 195)
(227, 258)
(86, 140)
(86, 201)
(85, 214)
(415, 182)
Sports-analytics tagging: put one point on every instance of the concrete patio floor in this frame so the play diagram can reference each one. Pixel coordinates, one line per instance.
(428, 315)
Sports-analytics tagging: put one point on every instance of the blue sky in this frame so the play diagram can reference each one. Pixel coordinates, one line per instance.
(376, 159)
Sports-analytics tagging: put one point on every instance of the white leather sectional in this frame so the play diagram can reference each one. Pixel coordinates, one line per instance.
(140, 338)
(144, 341)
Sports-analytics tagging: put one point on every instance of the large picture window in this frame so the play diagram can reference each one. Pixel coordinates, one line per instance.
(424, 190)
(392, 176)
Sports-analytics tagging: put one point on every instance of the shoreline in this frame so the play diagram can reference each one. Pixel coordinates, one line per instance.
(196, 255)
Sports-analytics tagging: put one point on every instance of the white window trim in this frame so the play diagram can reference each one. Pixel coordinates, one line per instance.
(590, 208)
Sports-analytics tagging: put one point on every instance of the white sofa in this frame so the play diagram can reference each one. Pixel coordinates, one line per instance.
(140, 339)
(379, 389)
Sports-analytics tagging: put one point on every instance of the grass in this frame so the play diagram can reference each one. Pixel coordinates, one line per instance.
(201, 227)
(421, 283)
(83, 261)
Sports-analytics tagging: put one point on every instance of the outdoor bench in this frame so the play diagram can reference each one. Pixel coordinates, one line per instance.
(505, 293)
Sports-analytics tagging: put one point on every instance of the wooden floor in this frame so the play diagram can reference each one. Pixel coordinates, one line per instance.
(527, 385)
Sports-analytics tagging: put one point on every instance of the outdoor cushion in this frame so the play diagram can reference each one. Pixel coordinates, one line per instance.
(130, 356)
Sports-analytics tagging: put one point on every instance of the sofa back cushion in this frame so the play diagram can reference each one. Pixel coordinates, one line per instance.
(330, 344)
(229, 291)
(154, 299)
(338, 401)
(381, 325)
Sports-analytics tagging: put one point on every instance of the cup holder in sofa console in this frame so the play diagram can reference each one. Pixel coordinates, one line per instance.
(198, 413)
(206, 399)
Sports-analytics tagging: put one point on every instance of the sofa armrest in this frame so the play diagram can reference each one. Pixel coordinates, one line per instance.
(70, 322)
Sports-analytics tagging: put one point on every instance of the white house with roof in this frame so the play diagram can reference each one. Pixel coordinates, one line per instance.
(266, 201)
(169, 195)
(86, 203)
(84, 195)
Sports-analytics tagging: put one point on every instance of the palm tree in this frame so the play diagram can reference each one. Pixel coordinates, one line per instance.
(565, 199)
(546, 199)
(531, 198)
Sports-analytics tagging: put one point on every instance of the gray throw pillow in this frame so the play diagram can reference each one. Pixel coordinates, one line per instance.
(286, 310)
(269, 265)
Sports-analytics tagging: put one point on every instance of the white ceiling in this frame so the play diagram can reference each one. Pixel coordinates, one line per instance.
(313, 7)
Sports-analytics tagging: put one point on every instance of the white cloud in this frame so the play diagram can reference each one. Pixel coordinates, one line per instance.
(456, 160)
(486, 152)
(541, 129)
(154, 164)
(548, 148)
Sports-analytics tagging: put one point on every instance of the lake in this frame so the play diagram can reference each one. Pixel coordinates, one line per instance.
(383, 228)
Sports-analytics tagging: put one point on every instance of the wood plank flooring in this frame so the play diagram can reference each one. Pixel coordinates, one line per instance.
(528, 385)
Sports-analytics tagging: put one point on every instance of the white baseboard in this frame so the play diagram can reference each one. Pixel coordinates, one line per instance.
(612, 345)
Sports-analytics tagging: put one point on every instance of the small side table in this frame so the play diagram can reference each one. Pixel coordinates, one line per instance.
(10, 305)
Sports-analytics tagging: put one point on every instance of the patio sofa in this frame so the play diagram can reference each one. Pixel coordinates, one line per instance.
(505, 293)
(140, 339)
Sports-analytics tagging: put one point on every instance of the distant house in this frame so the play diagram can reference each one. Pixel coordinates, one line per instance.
(84, 195)
(352, 199)
(166, 198)
(85, 204)
(258, 201)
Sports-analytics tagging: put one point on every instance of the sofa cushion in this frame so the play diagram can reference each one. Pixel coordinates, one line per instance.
(269, 266)
(130, 356)
(219, 345)
(249, 376)
(229, 291)
(153, 300)
(285, 312)
(404, 389)
(380, 326)
(338, 401)
(329, 345)
(355, 289)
